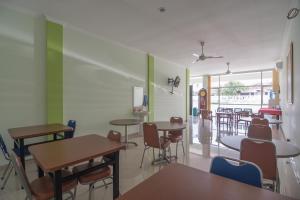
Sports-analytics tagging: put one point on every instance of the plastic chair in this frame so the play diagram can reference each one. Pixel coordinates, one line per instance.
(100, 174)
(242, 171)
(152, 140)
(40, 188)
(176, 136)
(6, 174)
(263, 154)
(260, 121)
(260, 132)
(68, 134)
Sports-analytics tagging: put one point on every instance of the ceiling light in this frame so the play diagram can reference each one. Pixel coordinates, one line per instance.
(293, 13)
(228, 70)
(162, 9)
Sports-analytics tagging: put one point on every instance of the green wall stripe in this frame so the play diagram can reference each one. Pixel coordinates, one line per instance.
(54, 63)
(150, 85)
(187, 90)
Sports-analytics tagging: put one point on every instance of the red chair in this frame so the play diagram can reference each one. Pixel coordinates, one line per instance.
(260, 121)
(263, 154)
(176, 136)
(260, 132)
(152, 140)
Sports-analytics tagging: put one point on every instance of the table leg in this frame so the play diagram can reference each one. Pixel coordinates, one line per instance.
(116, 191)
(40, 172)
(55, 136)
(22, 152)
(57, 185)
(277, 125)
(126, 138)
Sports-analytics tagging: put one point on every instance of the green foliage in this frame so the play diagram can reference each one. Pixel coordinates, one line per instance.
(233, 88)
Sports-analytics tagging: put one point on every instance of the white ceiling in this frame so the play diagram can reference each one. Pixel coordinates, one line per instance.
(248, 33)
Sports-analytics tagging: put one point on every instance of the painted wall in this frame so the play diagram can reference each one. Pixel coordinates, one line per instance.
(98, 81)
(165, 104)
(22, 72)
(291, 112)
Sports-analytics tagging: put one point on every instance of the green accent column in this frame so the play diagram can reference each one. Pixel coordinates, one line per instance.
(187, 91)
(54, 72)
(150, 88)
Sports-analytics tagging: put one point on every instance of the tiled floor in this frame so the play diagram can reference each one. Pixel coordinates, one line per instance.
(199, 143)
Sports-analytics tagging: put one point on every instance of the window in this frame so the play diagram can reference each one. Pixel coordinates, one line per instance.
(244, 90)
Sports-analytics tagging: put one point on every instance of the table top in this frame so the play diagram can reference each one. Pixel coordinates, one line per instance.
(59, 154)
(271, 121)
(125, 122)
(177, 182)
(283, 149)
(168, 126)
(271, 111)
(39, 130)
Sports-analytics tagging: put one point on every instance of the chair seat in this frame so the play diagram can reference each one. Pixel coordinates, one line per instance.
(42, 188)
(174, 138)
(92, 176)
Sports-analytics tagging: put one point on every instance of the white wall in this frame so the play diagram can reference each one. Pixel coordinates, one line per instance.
(22, 67)
(98, 81)
(166, 104)
(291, 112)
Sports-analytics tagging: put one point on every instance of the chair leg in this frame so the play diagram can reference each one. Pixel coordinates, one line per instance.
(143, 157)
(91, 189)
(105, 185)
(6, 179)
(153, 153)
(75, 191)
(182, 147)
(6, 170)
(176, 148)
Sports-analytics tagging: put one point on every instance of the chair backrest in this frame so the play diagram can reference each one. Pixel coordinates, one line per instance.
(262, 153)
(114, 136)
(70, 134)
(219, 109)
(228, 110)
(257, 115)
(239, 170)
(260, 121)
(4, 148)
(236, 110)
(21, 173)
(244, 114)
(248, 110)
(260, 132)
(151, 136)
(178, 120)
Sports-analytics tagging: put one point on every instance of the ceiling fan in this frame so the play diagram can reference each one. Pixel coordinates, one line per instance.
(202, 56)
(228, 70)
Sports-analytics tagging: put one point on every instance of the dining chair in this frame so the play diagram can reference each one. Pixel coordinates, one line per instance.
(263, 154)
(260, 121)
(41, 188)
(8, 170)
(176, 136)
(98, 175)
(152, 140)
(245, 124)
(239, 170)
(236, 110)
(249, 110)
(260, 132)
(68, 134)
(6, 173)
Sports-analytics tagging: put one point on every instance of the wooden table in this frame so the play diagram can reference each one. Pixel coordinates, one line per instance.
(22, 133)
(55, 156)
(276, 122)
(283, 149)
(166, 126)
(126, 123)
(179, 182)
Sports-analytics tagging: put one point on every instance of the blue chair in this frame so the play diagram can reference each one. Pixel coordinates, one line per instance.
(243, 171)
(9, 168)
(69, 134)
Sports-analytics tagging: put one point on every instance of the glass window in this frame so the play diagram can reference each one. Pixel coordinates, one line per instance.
(214, 81)
(215, 96)
(245, 79)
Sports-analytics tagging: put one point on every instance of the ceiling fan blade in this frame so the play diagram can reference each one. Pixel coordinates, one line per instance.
(214, 57)
(196, 55)
(197, 60)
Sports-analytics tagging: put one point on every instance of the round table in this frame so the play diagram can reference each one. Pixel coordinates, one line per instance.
(283, 149)
(126, 123)
(167, 126)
